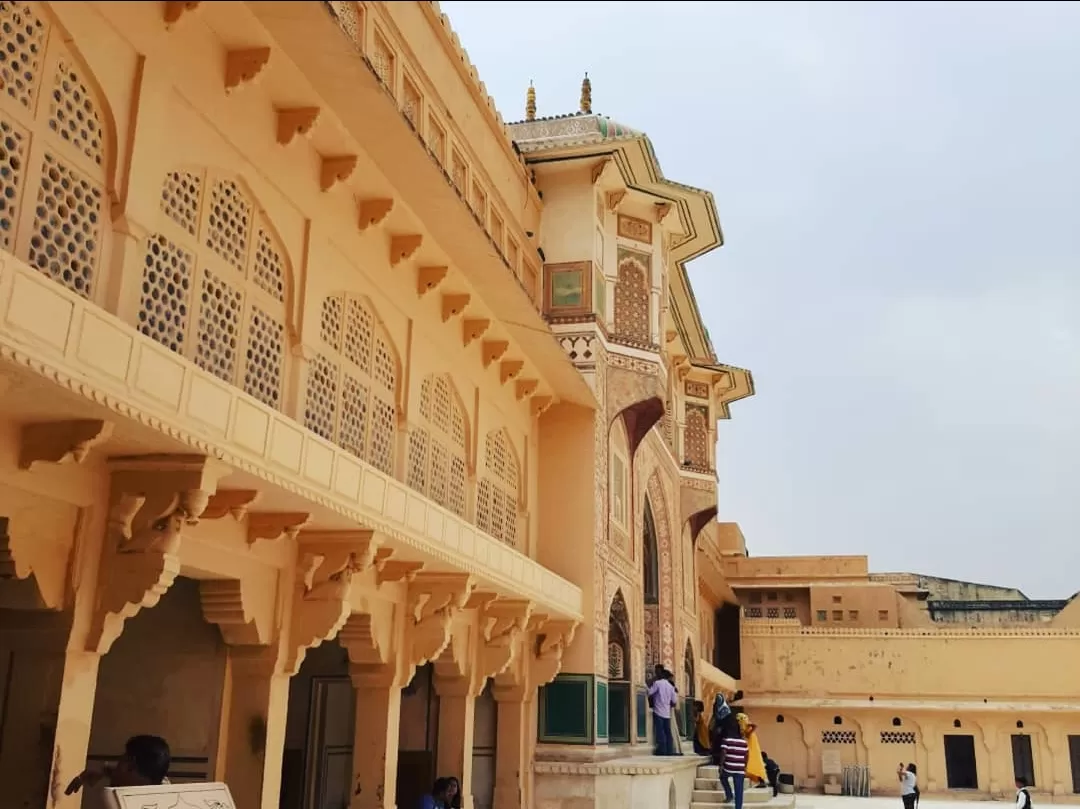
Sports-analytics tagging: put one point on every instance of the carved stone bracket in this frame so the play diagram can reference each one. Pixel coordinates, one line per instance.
(453, 304)
(662, 210)
(473, 329)
(614, 199)
(227, 603)
(403, 246)
(502, 622)
(524, 388)
(599, 169)
(35, 549)
(321, 604)
(509, 369)
(539, 404)
(371, 212)
(61, 441)
(294, 122)
(367, 636)
(243, 66)
(427, 278)
(394, 570)
(493, 350)
(335, 169)
(553, 637)
(152, 498)
(274, 525)
(234, 502)
(434, 599)
(176, 9)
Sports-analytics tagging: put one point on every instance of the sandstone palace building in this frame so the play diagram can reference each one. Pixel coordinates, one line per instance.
(353, 436)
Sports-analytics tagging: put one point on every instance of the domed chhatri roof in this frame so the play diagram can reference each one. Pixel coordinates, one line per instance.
(576, 129)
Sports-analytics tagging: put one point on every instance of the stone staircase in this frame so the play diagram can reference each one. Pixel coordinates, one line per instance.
(709, 794)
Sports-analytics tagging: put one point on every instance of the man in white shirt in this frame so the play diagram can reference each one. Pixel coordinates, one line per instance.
(909, 790)
(1023, 797)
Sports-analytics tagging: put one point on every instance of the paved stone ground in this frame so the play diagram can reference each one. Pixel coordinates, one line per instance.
(812, 801)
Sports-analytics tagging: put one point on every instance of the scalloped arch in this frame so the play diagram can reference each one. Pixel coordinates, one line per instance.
(380, 326)
(211, 173)
(89, 75)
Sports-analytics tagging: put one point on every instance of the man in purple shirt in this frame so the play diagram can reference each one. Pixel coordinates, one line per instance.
(662, 697)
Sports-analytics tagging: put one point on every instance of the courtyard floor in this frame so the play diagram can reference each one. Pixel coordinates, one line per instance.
(813, 801)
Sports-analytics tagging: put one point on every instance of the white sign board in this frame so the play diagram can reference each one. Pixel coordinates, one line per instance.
(831, 762)
(196, 796)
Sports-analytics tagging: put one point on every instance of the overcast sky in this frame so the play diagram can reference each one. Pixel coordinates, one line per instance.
(899, 187)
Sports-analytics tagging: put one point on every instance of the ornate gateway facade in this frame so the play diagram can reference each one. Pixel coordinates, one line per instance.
(352, 436)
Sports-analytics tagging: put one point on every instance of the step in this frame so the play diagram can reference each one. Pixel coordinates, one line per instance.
(713, 794)
(708, 771)
(710, 796)
(707, 783)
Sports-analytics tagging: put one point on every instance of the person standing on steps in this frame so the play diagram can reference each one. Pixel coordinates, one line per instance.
(735, 750)
(662, 697)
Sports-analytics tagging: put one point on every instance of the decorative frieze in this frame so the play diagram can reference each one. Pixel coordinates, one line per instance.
(639, 230)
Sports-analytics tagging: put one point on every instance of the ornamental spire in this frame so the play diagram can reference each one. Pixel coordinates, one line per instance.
(530, 103)
(586, 95)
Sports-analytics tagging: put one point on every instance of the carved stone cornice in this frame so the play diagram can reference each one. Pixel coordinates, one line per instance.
(321, 603)
(61, 441)
(151, 499)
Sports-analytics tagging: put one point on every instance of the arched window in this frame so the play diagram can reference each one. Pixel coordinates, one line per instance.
(696, 439)
(650, 558)
(352, 382)
(618, 639)
(214, 283)
(497, 495)
(53, 155)
(437, 442)
(632, 303)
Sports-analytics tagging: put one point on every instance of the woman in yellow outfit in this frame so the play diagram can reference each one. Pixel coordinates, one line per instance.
(755, 763)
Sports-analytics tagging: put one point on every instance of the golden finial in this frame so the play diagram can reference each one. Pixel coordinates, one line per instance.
(586, 95)
(530, 103)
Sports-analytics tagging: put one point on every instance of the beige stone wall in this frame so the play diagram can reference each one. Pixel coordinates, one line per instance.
(930, 663)
(796, 738)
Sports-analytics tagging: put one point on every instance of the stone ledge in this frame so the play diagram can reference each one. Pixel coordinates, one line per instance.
(630, 765)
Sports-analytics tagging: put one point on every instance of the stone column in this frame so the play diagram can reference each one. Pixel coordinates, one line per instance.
(511, 746)
(375, 747)
(457, 700)
(253, 726)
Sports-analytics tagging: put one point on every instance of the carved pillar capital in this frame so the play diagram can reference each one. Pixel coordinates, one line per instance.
(433, 601)
(151, 499)
(552, 638)
(502, 623)
(321, 602)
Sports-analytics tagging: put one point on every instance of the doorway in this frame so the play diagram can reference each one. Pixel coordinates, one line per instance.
(960, 769)
(1023, 761)
(728, 653)
(1074, 760)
